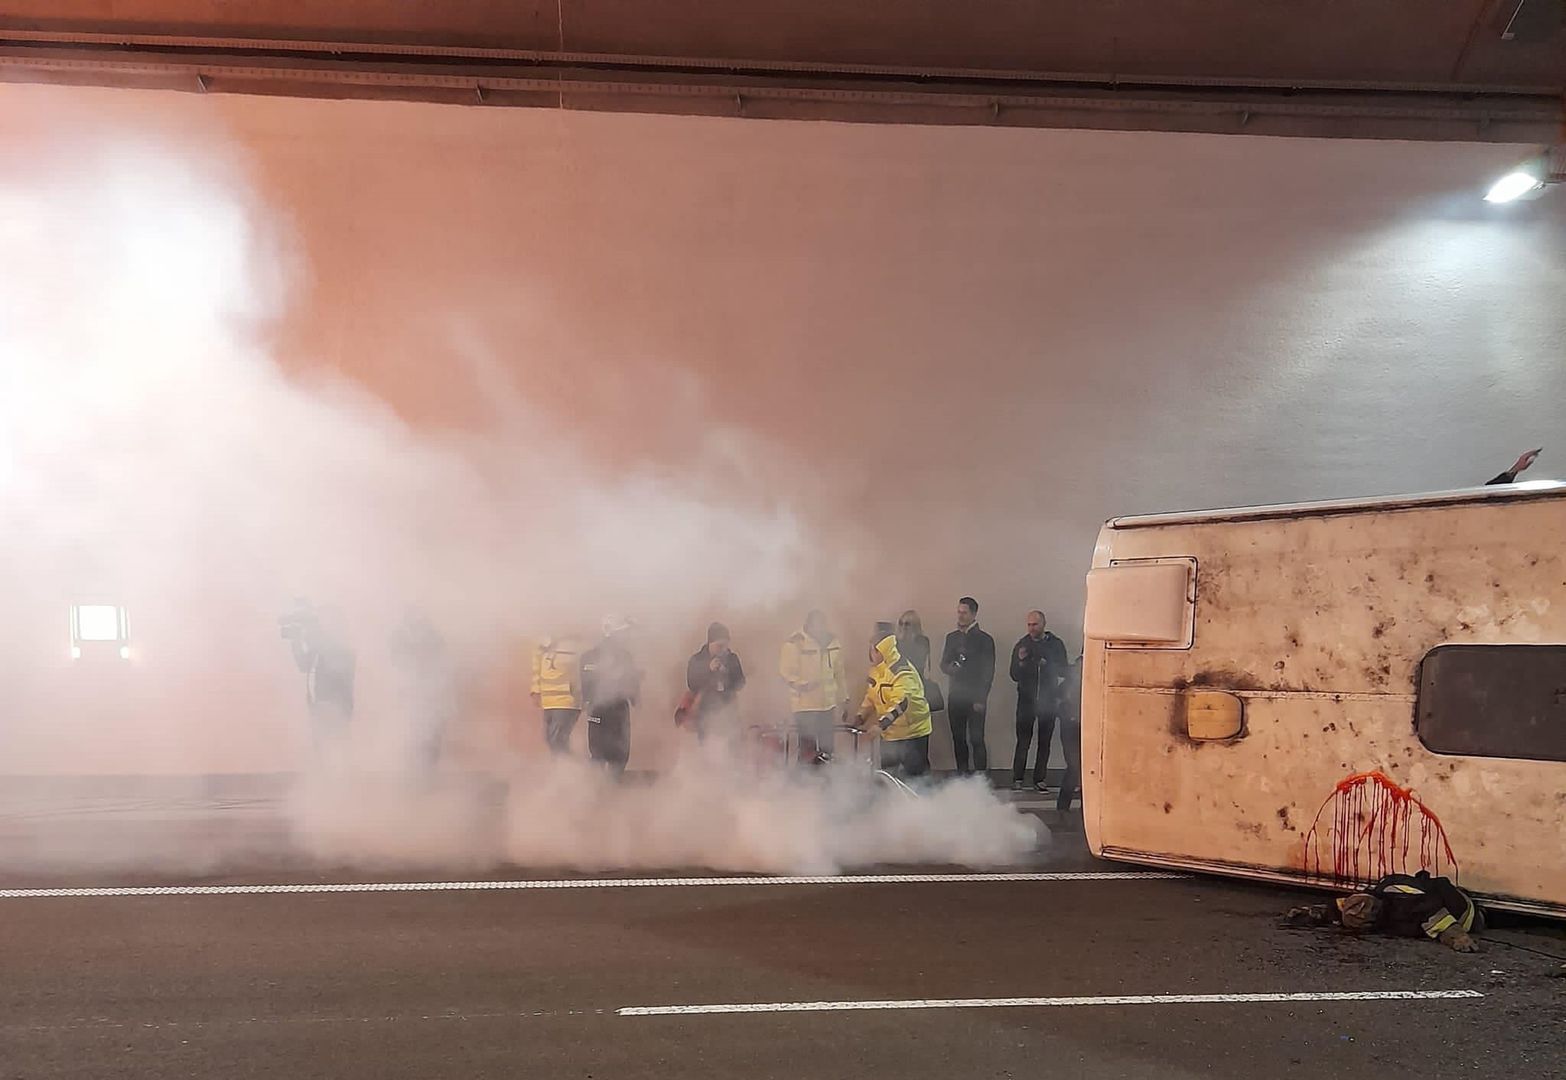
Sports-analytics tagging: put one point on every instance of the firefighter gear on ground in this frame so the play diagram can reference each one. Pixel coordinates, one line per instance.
(1421, 906)
(1404, 905)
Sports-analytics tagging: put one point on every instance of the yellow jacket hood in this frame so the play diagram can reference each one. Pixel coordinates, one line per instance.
(896, 689)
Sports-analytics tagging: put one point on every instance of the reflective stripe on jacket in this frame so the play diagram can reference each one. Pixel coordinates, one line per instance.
(1420, 903)
(895, 689)
(814, 673)
(556, 675)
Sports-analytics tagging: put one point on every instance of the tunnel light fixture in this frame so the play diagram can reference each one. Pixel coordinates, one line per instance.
(98, 622)
(1530, 177)
(1513, 186)
(99, 627)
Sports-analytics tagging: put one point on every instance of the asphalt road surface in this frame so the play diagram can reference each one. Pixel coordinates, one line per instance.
(882, 978)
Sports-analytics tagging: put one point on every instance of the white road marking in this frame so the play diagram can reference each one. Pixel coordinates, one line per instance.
(575, 883)
(1050, 1002)
(100, 1023)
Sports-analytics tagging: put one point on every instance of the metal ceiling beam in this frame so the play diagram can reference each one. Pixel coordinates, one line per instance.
(783, 90)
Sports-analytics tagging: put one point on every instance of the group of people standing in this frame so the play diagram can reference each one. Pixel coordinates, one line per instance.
(1049, 692)
(898, 703)
(427, 696)
(604, 679)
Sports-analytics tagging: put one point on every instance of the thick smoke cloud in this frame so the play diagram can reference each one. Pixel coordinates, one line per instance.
(158, 453)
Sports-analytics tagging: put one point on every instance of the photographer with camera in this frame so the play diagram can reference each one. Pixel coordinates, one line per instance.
(714, 676)
(320, 651)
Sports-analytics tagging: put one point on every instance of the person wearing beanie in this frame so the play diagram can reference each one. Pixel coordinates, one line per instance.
(714, 677)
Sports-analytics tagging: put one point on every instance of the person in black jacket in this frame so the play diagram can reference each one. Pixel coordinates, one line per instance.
(1038, 667)
(715, 678)
(968, 661)
(611, 683)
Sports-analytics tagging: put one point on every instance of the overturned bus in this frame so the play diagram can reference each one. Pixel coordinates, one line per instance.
(1324, 693)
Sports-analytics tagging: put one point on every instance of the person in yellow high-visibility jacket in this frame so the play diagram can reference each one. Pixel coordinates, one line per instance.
(557, 690)
(811, 664)
(895, 706)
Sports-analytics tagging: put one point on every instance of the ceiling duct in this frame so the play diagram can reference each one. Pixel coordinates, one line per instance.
(1394, 69)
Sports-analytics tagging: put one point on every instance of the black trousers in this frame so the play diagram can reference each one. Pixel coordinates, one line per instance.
(1071, 743)
(967, 720)
(609, 736)
(906, 758)
(1030, 716)
(557, 728)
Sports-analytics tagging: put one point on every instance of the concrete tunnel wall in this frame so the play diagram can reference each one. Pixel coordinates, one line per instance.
(948, 353)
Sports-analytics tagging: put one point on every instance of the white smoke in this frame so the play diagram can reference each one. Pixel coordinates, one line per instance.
(715, 809)
(710, 811)
(157, 453)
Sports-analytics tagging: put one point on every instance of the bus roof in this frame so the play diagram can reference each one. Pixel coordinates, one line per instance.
(1525, 490)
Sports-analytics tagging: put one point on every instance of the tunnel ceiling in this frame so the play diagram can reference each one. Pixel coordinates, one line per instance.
(1490, 70)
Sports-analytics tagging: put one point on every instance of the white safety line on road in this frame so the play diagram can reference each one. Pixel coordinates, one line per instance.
(575, 883)
(1049, 1002)
(96, 1023)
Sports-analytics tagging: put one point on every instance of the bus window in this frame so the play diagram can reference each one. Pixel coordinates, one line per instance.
(1142, 603)
(1506, 701)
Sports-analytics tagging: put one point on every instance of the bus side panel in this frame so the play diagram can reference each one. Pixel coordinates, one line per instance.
(1252, 801)
(1319, 626)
